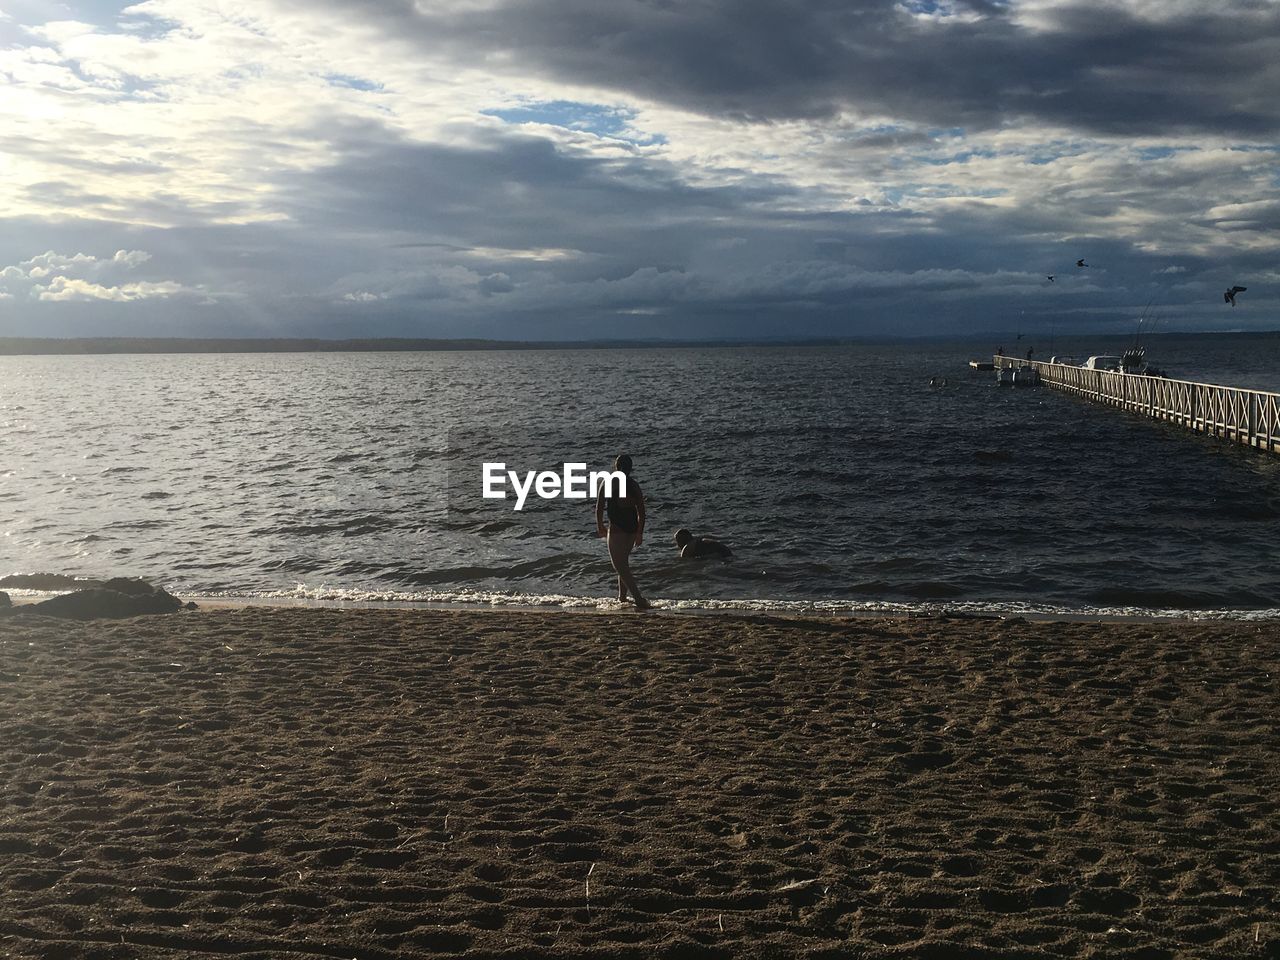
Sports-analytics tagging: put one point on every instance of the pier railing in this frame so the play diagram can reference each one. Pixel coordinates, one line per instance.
(1250, 417)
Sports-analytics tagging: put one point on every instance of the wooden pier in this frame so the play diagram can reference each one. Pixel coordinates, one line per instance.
(1249, 417)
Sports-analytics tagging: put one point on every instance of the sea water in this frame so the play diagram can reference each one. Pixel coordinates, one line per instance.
(841, 479)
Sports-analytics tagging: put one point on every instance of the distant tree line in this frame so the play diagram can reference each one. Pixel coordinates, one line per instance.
(32, 346)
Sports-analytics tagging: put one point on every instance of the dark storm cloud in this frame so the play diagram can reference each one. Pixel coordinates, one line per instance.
(444, 225)
(509, 189)
(1086, 65)
(402, 238)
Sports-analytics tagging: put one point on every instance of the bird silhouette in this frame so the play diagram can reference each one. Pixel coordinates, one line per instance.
(1049, 277)
(1230, 295)
(1081, 263)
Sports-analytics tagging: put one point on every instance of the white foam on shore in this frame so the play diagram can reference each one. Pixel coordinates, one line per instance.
(329, 596)
(303, 595)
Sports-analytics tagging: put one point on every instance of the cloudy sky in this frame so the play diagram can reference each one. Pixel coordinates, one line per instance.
(564, 169)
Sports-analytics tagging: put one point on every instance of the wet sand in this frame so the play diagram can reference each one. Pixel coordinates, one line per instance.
(279, 783)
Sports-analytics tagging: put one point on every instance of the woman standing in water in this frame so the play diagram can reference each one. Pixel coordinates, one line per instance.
(625, 531)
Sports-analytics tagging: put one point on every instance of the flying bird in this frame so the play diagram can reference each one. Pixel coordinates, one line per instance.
(1230, 295)
(1049, 277)
(1081, 263)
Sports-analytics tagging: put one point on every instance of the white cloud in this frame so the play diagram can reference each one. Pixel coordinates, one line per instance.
(130, 258)
(48, 263)
(53, 276)
(64, 288)
(52, 263)
(540, 254)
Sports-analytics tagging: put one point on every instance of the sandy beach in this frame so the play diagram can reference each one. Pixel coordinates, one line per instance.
(393, 784)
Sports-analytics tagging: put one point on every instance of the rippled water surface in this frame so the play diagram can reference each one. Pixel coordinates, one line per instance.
(838, 475)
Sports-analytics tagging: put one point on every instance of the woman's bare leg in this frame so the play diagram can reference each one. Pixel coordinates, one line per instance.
(620, 544)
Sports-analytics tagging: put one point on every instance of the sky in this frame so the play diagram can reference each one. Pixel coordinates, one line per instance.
(604, 169)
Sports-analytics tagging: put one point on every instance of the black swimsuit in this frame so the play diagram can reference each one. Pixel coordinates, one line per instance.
(622, 512)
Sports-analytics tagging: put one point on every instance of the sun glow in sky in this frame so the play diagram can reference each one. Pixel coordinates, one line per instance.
(549, 169)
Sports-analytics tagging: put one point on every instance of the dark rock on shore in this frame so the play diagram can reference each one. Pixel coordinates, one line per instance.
(4, 600)
(130, 586)
(120, 597)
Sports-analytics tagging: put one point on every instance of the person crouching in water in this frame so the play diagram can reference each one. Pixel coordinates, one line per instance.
(696, 548)
(625, 531)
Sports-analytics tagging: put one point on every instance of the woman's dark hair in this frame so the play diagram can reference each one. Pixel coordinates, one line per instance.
(623, 463)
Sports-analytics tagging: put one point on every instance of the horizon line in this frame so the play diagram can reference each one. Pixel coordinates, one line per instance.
(43, 346)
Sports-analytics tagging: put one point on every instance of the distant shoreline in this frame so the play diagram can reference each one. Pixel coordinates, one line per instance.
(53, 346)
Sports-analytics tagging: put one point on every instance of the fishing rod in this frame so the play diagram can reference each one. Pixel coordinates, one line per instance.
(1137, 337)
